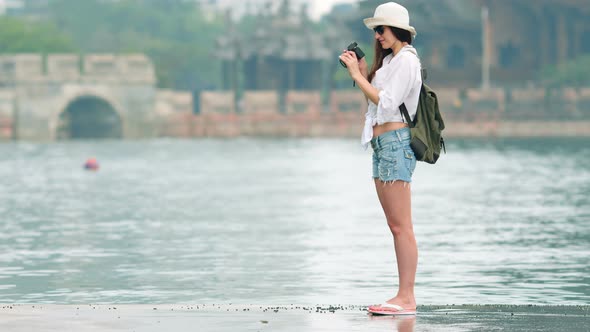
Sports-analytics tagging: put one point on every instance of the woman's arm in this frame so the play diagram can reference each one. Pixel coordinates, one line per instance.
(364, 67)
(369, 90)
(360, 75)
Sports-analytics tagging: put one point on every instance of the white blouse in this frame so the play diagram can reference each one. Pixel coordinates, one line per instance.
(399, 81)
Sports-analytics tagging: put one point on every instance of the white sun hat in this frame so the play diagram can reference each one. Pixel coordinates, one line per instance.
(391, 14)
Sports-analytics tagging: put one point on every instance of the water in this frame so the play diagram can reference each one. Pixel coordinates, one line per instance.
(265, 221)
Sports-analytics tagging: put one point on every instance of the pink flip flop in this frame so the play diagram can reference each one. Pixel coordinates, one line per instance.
(390, 309)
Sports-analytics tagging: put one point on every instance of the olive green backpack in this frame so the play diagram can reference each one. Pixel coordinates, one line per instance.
(426, 129)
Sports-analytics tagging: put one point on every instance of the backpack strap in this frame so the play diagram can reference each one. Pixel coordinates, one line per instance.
(406, 115)
(403, 107)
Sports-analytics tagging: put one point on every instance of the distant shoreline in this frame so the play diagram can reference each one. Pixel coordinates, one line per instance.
(350, 125)
(341, 125)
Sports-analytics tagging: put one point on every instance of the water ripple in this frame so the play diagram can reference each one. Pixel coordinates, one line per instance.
(289, 221)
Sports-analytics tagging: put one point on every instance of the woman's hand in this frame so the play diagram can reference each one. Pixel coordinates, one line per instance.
(358, 70)
(352, 64)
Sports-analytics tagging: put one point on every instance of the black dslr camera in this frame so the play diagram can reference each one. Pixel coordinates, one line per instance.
(356, 49)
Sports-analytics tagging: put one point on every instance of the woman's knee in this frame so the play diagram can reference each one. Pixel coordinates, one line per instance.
(400, 227)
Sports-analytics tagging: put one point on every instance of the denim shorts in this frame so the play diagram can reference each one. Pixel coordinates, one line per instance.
(393, 158)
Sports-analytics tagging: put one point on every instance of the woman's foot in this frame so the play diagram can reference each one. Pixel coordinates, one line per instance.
(395, 306)
(406, 303)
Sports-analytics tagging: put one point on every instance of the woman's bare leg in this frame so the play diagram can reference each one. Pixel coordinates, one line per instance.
(396, 201)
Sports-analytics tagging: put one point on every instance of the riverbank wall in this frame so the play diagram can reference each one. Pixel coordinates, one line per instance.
(467, 113)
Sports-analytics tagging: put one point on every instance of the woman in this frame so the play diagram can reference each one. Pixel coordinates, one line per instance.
(393, 79)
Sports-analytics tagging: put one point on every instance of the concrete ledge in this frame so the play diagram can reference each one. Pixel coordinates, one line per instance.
(214, 317)
(350, 125)
(517, 129)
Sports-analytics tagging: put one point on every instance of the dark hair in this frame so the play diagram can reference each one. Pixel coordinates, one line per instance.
(380, 53)
(402, 35)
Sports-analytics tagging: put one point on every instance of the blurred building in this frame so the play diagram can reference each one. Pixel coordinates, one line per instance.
(246, 7)
(281, 52)
(521, 37)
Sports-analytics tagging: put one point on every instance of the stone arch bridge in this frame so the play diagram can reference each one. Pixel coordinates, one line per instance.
(69, 96)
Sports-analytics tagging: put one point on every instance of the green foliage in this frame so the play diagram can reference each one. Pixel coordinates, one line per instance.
(574, 73)
(18, 36)
(175, 34)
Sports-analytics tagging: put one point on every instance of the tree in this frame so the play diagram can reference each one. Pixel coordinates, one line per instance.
(19, 36)
(174, 34)
(574, 73)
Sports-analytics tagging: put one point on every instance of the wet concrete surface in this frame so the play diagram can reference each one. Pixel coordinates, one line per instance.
(211, 317)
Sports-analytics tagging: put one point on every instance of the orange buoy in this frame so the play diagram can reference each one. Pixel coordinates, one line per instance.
(91, 164)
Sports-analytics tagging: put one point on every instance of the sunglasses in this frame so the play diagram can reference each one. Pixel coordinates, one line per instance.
(379, 29)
